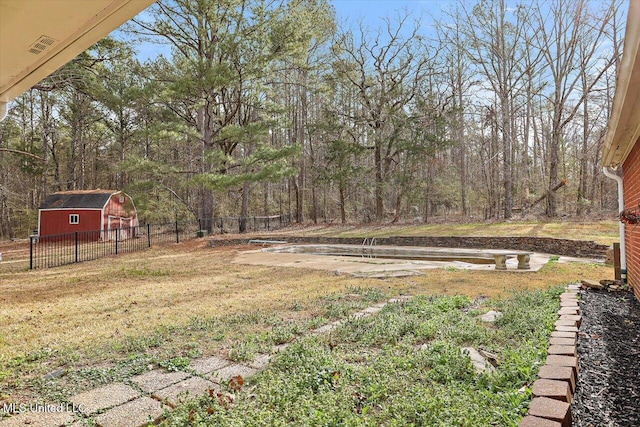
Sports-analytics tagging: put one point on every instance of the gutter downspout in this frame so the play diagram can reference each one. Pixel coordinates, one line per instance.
(623, 252)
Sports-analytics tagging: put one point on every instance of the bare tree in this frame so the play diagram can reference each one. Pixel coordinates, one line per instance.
(386, 70)
(570, 39)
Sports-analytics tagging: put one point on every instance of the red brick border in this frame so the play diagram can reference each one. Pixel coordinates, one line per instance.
(553, 391)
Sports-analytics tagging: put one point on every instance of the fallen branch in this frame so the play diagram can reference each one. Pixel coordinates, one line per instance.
(544, 196)
(24, 153)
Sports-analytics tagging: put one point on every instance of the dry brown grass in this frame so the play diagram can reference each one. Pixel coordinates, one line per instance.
(91, 304)
(604, 232)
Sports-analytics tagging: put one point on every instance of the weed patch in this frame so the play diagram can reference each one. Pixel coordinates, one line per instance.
(403, 366)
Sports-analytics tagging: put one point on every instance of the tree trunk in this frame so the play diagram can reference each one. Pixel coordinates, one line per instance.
(379, 189)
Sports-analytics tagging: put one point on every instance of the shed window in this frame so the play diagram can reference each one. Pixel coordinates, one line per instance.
(74, 218)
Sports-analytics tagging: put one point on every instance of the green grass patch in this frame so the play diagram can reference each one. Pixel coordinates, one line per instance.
(401, 367)
(238, 336)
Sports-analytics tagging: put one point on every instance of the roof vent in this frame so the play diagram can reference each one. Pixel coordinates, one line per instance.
(43, 43)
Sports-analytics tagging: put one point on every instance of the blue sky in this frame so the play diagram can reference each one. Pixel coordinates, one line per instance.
(373, 10)
(349, 13)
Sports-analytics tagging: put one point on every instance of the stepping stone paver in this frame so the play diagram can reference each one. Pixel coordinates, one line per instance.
(569, 310)
(260, 361)
(208, 364)
(190, 388)
(531, 421)
(278, 348)
(372, 310)
(224, 374)
(104, 397)
(360, 315)
(402, 298)
(157, 379)
(136, 413)
(38, 419)
(324, 329)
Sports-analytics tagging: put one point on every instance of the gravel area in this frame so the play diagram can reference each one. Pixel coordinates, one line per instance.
(608, 388)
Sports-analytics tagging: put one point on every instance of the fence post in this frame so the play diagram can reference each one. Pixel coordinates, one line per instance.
(31, 252)
(268, 223)
(149, 235)
(117, 238)
(177, 234)
(76, 237)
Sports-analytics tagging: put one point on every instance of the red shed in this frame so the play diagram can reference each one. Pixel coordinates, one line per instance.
(88, 210)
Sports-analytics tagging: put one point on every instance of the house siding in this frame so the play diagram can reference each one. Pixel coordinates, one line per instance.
(631, 177)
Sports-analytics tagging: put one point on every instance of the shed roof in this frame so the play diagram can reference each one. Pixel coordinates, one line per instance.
(87, 199)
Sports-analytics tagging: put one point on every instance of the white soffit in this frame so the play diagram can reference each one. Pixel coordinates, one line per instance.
(39, 36)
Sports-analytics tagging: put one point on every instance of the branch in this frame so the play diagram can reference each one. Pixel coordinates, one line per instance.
(24, 153)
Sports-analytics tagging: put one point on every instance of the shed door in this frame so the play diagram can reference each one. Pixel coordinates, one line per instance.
(113, 225)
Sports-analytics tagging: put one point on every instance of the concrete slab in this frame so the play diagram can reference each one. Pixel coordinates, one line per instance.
(191, 388)
(33, 418)
(208, 364)
(378, 267)
(105, 397)
(137, 413)
(157, 379)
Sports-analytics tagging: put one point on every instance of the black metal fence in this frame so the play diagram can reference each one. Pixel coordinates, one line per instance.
(68, 248)
(244, 224)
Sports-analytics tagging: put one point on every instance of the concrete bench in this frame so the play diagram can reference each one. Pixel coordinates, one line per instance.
(523, 259)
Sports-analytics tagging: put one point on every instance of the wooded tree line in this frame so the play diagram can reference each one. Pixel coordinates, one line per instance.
(269, 106)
